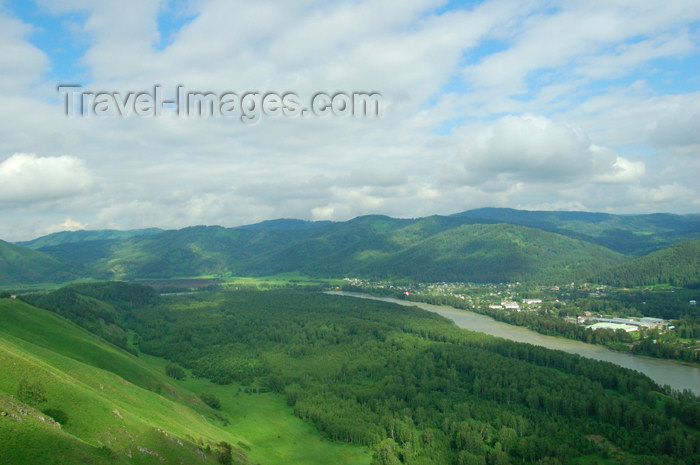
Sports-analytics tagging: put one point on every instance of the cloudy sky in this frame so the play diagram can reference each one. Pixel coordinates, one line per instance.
(564, 105)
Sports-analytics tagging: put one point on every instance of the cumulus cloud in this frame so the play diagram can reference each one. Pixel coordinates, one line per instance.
(623, 171)
(28, 178)
(68, 225)
(532, 148)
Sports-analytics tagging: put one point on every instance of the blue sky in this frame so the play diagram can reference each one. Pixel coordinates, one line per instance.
(539, 105)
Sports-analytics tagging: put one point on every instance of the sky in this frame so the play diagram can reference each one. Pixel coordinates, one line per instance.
(539, 105)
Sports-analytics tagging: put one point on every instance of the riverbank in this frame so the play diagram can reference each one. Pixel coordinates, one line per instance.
(677, 375)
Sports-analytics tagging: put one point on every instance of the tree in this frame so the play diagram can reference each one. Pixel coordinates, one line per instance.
(386, 453)
(211, 400)
(175, 371)
(224, 455)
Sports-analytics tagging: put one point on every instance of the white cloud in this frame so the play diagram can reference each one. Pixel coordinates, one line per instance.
(21, 63)
(533, 148)
(27, 178)
(502, 103)
(68, 225)
(623, 171)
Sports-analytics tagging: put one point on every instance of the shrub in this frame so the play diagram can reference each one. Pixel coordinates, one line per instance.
(175, 371)
(211, 400)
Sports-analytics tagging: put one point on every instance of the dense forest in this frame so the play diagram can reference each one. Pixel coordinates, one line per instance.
(414, 387)
(677, 265)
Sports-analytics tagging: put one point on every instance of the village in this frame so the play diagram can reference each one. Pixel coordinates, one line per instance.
(553, 301)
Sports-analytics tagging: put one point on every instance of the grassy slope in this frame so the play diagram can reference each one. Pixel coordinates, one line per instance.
(90, 380)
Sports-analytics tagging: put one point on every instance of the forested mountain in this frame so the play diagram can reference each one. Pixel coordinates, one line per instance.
(627, 234)
(68, 237)
(20, 265)
(677, 265)
(477, 253)
(487, 245)
(429, 249)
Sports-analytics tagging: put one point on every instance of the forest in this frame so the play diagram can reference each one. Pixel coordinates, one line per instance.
(411, 385)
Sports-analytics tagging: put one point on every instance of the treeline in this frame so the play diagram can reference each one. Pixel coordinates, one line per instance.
(415, 388)
(100, 308)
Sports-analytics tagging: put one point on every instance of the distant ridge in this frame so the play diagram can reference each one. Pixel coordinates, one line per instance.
(21, 265)
(71, 237)
(678, 264)
(484, 245)
(627, 234)
(285, 224)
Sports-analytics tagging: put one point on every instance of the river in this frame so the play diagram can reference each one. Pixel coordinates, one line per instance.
(677, 375)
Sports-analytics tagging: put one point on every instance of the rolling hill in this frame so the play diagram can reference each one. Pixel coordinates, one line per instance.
(628, 234)
(678, 265)
(21, 265)
(67, 237)
(428, 249)
(486, 245)
(424, 252)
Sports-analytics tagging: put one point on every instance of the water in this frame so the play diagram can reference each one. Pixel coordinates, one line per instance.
(677, 375)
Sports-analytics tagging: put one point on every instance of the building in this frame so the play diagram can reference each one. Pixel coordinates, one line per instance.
(614, 326)
(646, 322)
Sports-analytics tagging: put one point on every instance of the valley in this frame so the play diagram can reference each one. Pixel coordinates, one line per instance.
(225, 345)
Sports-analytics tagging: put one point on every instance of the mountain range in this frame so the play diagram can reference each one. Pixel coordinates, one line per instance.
(484, 245)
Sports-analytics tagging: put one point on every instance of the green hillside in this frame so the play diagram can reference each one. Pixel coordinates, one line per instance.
(495, 253)
(627, 234)
(677, 265)
(71, 237)
(486, 245)
(20, 265)
(435, 250)
(430, 249)
(116, 408)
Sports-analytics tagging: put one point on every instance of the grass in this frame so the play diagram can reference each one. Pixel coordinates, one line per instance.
(123, 408)
(280, 280)
(260, 282)
(48, 286)
(272, 434)
(266, 426)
